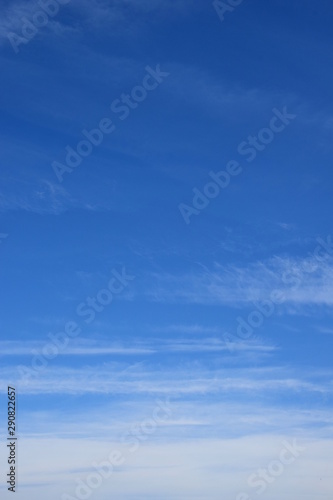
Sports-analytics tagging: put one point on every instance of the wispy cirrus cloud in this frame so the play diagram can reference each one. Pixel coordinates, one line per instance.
(46, 198)
(18, 22)
(204, 418)
(302, 281)
(93, 14)
(89, 347)
(188, 379)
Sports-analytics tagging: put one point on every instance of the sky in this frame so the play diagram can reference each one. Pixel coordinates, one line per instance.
(166, 249)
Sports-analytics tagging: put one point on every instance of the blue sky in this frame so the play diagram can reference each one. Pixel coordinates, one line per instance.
(175, 289)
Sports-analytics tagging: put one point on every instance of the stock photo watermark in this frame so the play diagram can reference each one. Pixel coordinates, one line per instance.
(133, 439)
(30, 27)
(225, 7)
(249, 148)
(263, 477)
(87, 310)
(122, 108)
(266, 308)
(12, 445)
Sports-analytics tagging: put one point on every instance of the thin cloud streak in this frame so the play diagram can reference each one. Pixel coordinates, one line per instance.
(301, 281)
(189, 380)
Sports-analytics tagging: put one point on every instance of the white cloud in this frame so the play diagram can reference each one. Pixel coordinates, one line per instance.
(184, 379)
(96, 14)
(302, 281)
(46, 198)
(88, 347)
(196, 469)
